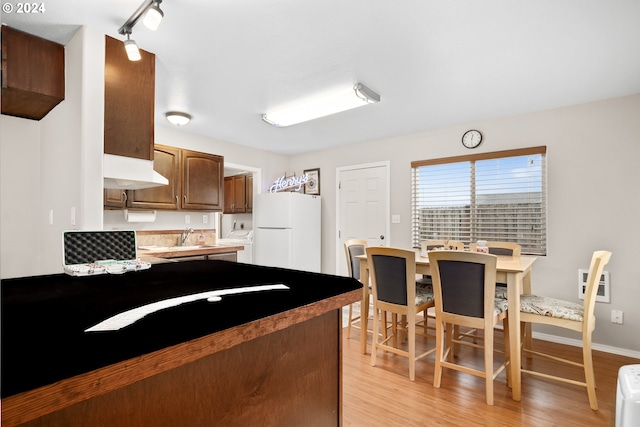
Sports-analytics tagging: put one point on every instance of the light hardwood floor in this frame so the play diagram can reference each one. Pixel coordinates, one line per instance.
(384, 396)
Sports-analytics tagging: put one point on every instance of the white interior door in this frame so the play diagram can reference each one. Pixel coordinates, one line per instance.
(363, 207)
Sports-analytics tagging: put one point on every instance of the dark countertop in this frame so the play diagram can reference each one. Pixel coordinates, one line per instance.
(44, 317)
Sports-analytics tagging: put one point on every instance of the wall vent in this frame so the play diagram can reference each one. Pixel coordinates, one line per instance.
(603, 294)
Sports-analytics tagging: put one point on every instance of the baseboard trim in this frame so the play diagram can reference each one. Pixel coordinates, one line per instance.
(594, 346)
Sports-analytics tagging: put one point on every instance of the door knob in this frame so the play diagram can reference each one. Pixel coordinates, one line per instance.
(381, 237)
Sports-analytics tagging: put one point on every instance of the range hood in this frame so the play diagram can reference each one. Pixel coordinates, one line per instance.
(129, 173)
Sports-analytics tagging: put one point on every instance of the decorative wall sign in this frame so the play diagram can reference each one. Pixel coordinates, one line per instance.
(289, 183)
(313, 184)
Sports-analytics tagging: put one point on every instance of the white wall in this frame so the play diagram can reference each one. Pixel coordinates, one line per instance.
(49, 165)
(593, 199)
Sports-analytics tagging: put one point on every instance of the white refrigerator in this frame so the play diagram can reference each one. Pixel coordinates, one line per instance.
(287, 231)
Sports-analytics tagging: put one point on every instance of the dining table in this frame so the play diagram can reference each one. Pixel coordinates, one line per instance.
(514, 271)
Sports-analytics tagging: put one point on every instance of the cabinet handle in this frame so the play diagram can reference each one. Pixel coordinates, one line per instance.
(177, 201)
(185, 199)
(124, 197)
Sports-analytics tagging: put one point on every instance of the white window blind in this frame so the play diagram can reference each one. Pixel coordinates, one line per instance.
(497, 196)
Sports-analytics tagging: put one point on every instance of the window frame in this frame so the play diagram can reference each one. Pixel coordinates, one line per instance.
(540, 248)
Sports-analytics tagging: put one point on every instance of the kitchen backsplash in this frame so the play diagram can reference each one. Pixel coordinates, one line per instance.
(172, 237)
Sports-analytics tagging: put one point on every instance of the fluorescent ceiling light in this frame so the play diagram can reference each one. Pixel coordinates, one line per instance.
(177, 118)
(327, 104)
(153, 17)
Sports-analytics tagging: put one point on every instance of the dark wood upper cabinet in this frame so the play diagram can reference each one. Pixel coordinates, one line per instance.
(202, 181)
(32, 74)
(195, 183)
(129, 97)
(236, 192)
(166, 197)
(249, 193)
(115, 198)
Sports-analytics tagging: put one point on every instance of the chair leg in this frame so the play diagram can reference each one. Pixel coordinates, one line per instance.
(456, 346)
(449, 329)
(587, 360)
(385, 326)
(412, 347)
(374, 338)
(488, 364)
(440, 346)
(394, 329)
(507, 349)
(351, 317)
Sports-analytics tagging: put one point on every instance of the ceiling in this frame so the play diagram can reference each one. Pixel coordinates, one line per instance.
(435, 63)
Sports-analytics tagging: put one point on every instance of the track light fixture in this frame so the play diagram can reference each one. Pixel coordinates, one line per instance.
(154, 16)
(130, 46)
(322, 105)
(152, 13)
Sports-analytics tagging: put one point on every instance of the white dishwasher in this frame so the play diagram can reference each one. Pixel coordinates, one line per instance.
(242, 237)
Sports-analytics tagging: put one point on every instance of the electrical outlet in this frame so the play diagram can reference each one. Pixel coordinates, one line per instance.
(205, 219)
(395, 219)
(187, 219)
(617, 316)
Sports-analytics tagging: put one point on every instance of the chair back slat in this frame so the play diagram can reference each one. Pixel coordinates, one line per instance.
(391, 278)
(354, 251)
(501, 251)
(462, 287)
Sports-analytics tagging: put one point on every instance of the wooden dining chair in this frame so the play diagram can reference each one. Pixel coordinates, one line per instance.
(431, 244)
(502, 249)
(464, 292)
(425, 281)
(569, 315)
(394, 290)
(353, 248)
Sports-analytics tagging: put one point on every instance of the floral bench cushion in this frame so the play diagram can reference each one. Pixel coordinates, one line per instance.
(552, 307)
(424, 294)
(500, 305)
(501, 291)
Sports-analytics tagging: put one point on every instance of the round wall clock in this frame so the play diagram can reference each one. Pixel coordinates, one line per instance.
(471, 138)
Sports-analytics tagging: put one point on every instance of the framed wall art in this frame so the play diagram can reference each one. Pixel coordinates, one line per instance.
(313, 184)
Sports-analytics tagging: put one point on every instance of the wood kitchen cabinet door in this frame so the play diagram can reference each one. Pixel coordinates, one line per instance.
(202, 181)
(235, 194)
(166, 197)
(115, 198)
(129, 98)
(249, 193)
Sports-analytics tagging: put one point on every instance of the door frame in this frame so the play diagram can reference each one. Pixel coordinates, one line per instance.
(387, 165)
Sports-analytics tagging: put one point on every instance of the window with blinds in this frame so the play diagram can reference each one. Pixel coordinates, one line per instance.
(498, 196)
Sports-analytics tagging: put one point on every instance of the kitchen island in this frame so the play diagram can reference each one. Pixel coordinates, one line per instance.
(259, 358)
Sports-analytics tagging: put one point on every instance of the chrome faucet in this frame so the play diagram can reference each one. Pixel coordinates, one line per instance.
(185, 234)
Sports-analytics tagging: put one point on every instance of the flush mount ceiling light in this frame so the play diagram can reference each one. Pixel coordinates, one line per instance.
(150, 9)
(341, 100)
(177, 118)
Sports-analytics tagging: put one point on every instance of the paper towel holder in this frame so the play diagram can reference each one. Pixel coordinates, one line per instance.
(139, 216)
